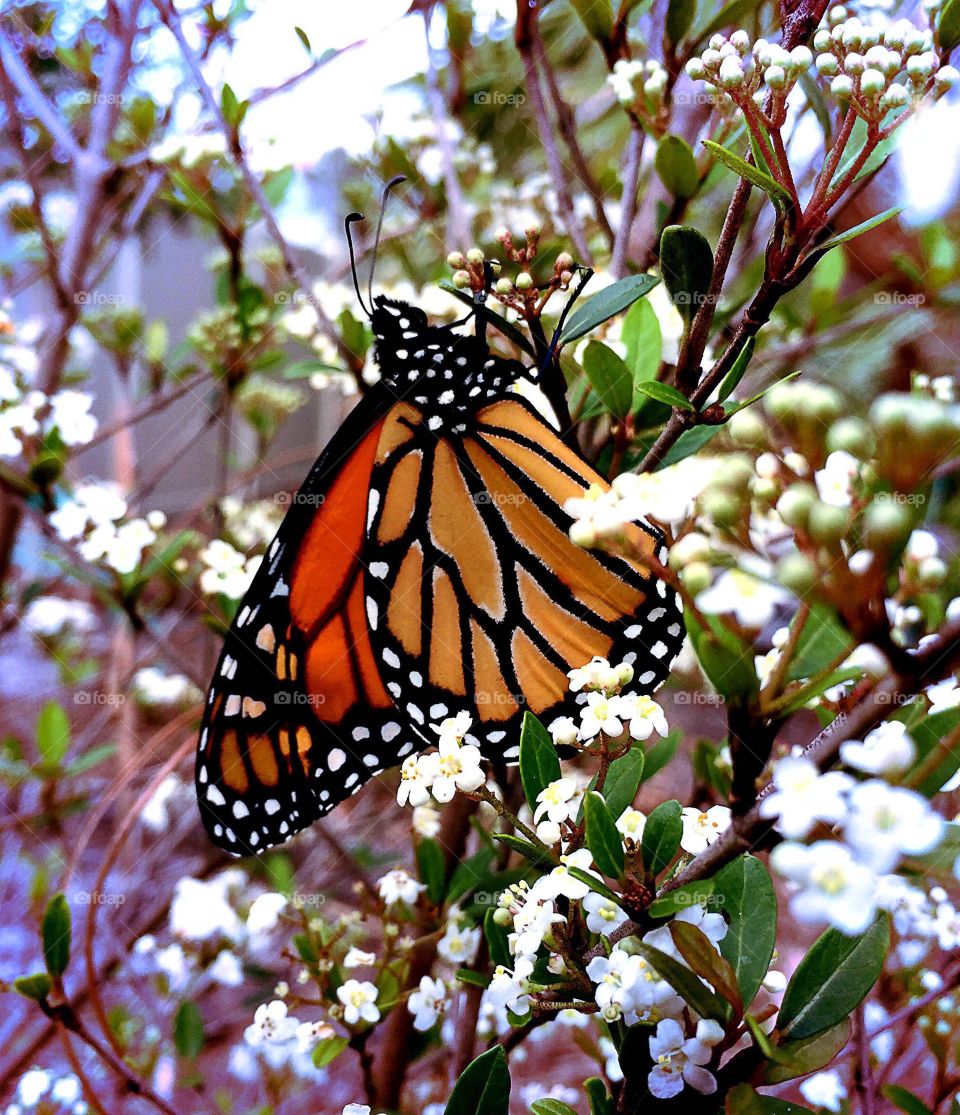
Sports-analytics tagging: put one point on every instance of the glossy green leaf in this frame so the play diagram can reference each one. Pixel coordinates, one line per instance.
(529, 851)
(676, 166)
(661, 837)
(55, 931)
(611, 301)
(744, 1100)
(36, 987)
(328, 1050)
(664, 393)
(860, 229)
(640, 334)
(823, 640)
(671, 902)
(754, 175)
(483, 1087)
(686, 262)
(497, 941)
(302, 36)
(623, 781)
(798, 1058)
(609, 377)
(687, 985)
(732, 379)
(746, 897)
(926, 735)
(948, 26)
(833, 979)
(680, 17)
(698, 951)
(431, 868)
(905, 1100)
(539, 762)
(551, 1107)
(603, 838)
(726, 660)
(600, 1102)
(596, 16)
(733, 13)
(660, 753)
(188, 1036)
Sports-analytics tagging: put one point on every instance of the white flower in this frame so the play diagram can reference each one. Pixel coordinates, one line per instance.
(700, 829)
(824, 1089)
(630, 824)
(834, 481)
(200, 912)
(601, 714)
(67, 1091)
(426, 820)
(712, 926)
(751, 600)
(226, 969)
(271, 1025)
(944, 695)
(398, 886)
(833, 887)
(888, 749)
(152, 686)
(459, 943)
(508, 990)
(561, 882)
(309, 1033)
(428, 1003)
(264, 913)
(228, 573)
(946, 926)
(679, 1060)
(174, 963)
(887, 822)
(458, 768)
(802, 796)
(92, 505)
(589, 677)
(532, 918)
(416, 777)
(357, 958)
(69, 414)
(603, 916)
(47, 616)
(557, 802)
(33, 1086)
(612, 1063)
(564, 731)
(643, 713)
(359, 1001)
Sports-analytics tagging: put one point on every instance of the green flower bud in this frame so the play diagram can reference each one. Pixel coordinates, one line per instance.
(504, 286)
(932, 572)
(798, 573)
(886, 525)
(827, 524)
(765, 489)
(461, 279)
(747, 430)
(697, 577)
(524, 281)
(692, 547)
(564, 261)
(502, 917)
(734, 472)
(721, 505)
(457, 260)
(852, 435)
(795, 504)
(475, 256)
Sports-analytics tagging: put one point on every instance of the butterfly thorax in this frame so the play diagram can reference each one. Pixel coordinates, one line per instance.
(444, 373)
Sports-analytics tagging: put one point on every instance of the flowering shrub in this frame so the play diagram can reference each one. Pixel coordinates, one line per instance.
(739, 893)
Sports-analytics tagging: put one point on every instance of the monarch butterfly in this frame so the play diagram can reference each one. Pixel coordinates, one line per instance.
(424, 567)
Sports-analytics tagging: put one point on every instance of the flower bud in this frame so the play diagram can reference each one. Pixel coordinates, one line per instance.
(532, 231)
(711, 58)
(854, 65)
(696, 69)
(841, 87)
(932, 572)
(731, 73)
(583, 534)
(822, 40)
(873, 83)
(895, 97)
(502, 235)
(697, 577)
(775, 77)
(504, 286)
(721, 505)
(475, 256)
(564, 261)
(692, 547)
(794, 505)
(502, 917)
(947, 77)
(827, 65)
(801, 57)
(524, 281)
(852, 435)
(886, 525)
(734, 472)
(765, 490)
(827, 524)
(456, 260)
(798, 573)
(747, 430)
(461, 279)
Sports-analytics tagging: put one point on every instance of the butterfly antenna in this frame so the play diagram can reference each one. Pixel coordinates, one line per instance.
(394, 182)
(351, 219)
(586, 274)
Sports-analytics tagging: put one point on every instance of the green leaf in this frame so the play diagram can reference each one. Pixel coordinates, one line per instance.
(726, 660)
(754, 175)
(497, 941)
(671, 902)
(858, 230)
(676, 166)
(188, 1030)
(687, 985)
(603, 837)
(302, 369)
(926, 735)
(36, 987)
(302, 36)
(686, 261)
(833, 979)
(469, 874)
(623, 781)
(661, 837)
(600, 1102)
(733, 13)
(680, 17)
(594, 883)
(53, 736)
(948, 26)
(483, 1087)
(529, 851)
(596, 16)
(746, 896)
(743, 1100)
(660, 753)
(55, 931)
(432, 868)
(823, 640)
(798, 1058)
(551, 1107)
(732, 379)
(611, 301)
(229, 104)
(904, 1100)
(698, 951)
(328, 1049)
(689, 443)
(539, 762)
(475, 979)
(609, 377)
(664, 393)
(641, 336)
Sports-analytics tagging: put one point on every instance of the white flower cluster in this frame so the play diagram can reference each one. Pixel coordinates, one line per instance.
(39, 1089)
(639, 86)
(29, 414)
(864, 61)
(50, 616)
(605, 709)
(455, 765)
(154, 688)
(92, 520)
(732, 66)
(227, 573)
(841, 882)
